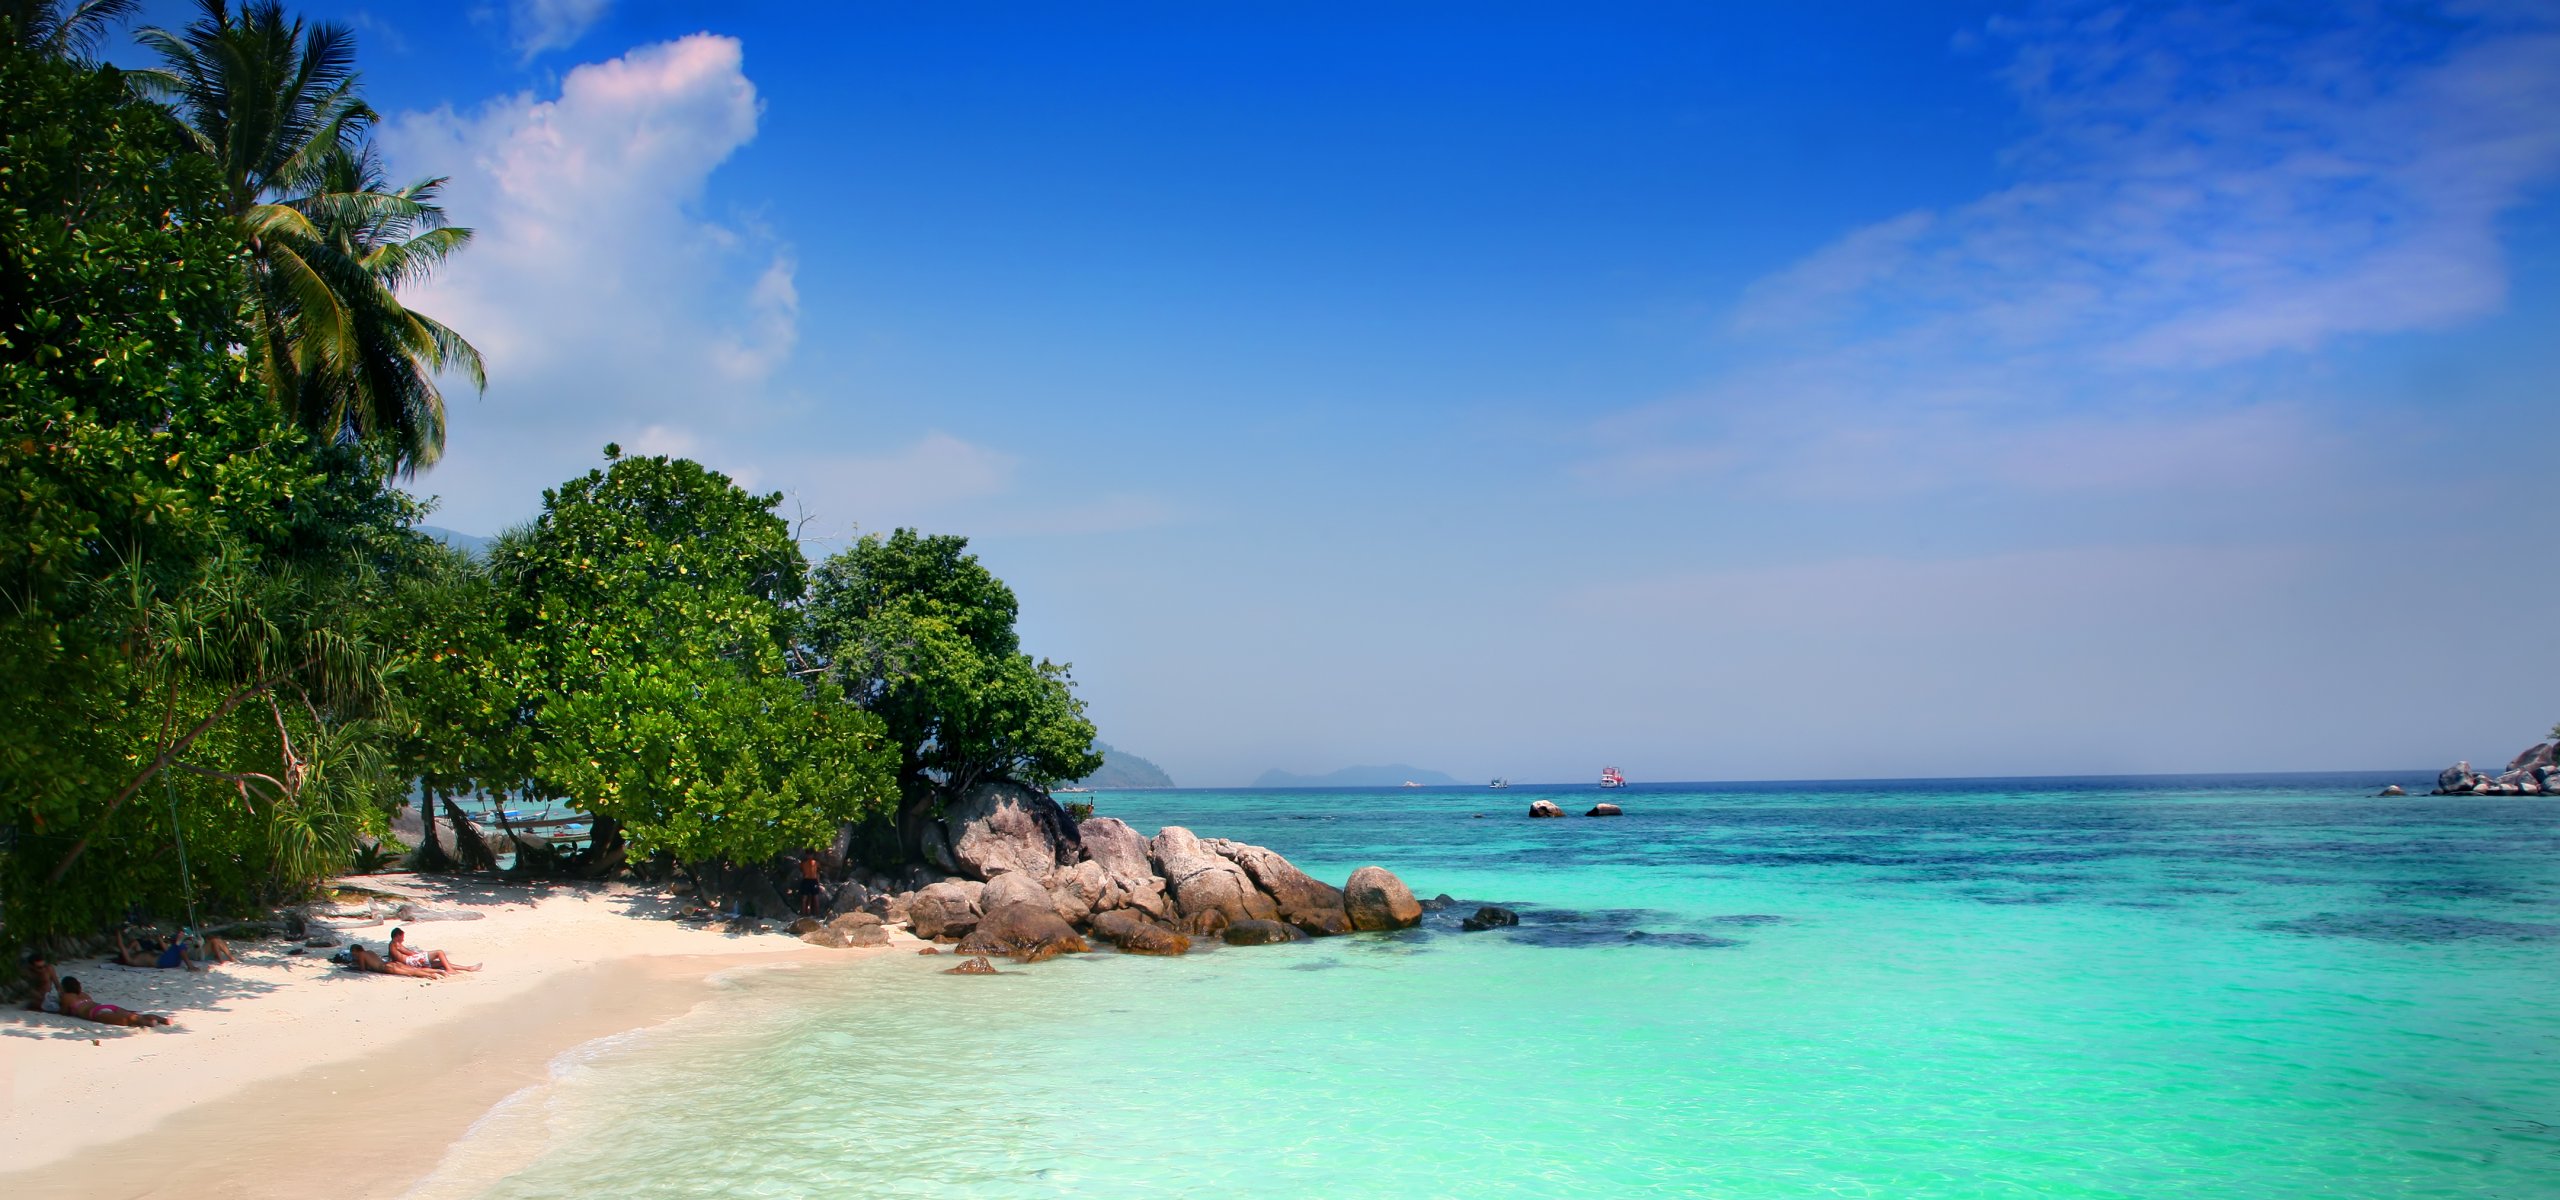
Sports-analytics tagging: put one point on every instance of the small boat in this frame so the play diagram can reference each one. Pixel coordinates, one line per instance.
(1610, 778)
(1410, 783)
(1499, 784)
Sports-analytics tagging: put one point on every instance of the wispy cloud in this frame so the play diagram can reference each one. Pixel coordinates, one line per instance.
(538, 25)
(2202, 193)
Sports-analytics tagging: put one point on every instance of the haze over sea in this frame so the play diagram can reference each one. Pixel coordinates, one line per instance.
(2079, 987)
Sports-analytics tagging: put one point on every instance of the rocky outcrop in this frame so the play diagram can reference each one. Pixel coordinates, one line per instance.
(975, 966)
(2532, 773)
(1024, 932)
(1376, 900)
(1202, 880)
(1012, 887)
(1543, 809)
(1605, 809)
(1305, 901)
(999, 827)
(848, 930)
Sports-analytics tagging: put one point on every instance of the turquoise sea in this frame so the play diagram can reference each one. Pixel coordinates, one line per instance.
(2272, 986)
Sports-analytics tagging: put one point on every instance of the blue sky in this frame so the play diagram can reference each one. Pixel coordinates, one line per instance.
(1716, 391)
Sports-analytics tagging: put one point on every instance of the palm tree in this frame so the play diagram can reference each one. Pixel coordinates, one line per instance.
(42, 27)
(273, 103)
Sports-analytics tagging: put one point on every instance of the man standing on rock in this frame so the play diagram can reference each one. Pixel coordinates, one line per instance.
(809, 888)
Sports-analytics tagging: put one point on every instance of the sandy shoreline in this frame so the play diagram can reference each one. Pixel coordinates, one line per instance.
(290, 1077)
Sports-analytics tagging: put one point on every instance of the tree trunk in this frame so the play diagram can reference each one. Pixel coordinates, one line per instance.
(469, 848)
(606, 849)
(430, 855)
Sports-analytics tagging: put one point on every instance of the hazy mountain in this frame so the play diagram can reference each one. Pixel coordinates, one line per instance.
(471, 544)
(1390, 775)
(1121, 769)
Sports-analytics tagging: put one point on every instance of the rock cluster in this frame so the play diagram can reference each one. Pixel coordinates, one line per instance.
(2533, 773)
(1025, 882)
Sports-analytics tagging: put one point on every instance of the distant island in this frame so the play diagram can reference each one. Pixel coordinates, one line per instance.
(1121, 769)
(1390, 775)
(469, 543)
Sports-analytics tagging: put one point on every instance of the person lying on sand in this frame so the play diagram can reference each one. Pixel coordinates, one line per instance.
(399, 951)
(77, 1003)
(215, 952)
(143, 953)
(367, 960)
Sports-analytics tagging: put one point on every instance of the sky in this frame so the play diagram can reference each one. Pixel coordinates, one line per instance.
(1814, 390)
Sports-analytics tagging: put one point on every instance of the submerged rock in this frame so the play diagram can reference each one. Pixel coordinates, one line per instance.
(1376, 899)
(1544, 808)
(1261, 933)
(1490, 917)
(975, 966)
(2392, 790)
(1605, 809)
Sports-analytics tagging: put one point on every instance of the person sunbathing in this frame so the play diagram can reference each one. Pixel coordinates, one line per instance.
(367, 960)
(77, 1003)
(215, 952)
(144, 953)
(399, 951)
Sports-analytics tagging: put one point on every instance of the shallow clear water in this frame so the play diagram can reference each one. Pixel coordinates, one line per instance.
(2261, 986)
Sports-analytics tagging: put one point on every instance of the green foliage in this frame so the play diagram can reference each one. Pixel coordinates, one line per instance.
(648, 600)
(916, 630)
(184, 644)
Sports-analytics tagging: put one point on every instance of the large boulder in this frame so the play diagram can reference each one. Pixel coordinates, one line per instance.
(1012, 887)
(2540, 754)
(1120, 850)
(1605, 809)
(999, 827)
(1490, 916)
(1026, 932)
(1203, 880)
(846, 931)
(947, 909)
(1541, 809)
(1305, 901)
(1376, 899)
(2456, 778)
(1135, 934)
(1262, 933)
(1082, 890)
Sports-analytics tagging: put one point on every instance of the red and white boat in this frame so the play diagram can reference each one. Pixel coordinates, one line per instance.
(1610, 778)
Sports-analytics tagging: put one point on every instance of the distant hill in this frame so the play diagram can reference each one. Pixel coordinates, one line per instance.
(1121, 769)
(1390, 775)
(471, 544)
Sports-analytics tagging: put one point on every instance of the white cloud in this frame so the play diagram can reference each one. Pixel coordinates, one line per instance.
(538, 25)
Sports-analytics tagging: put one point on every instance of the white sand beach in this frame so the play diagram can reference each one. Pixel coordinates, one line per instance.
(285, 1075)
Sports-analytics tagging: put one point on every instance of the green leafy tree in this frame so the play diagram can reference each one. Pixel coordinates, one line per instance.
(915, 630)
(273, 104)
(183, 574)
(649, 597)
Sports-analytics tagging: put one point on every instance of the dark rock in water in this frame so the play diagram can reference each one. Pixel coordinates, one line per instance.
(929, 951)
(975, 966)
(1321, 922)
(999, 827)
(1026, 932)
(1566, 929)
(1437, 903)
(1375, 899)
(1261, 933)
(1490, 917)
(2413, 927)
(2455, 779)
(1605, 809)
(2393, 790)
(1748, 919)
(1135, 934)
(1544, 808)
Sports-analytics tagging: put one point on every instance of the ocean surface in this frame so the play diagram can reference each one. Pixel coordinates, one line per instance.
(2275, 986)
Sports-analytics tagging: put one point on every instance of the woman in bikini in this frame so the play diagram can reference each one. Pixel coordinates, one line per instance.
(398, 951)
(77, 1003)
(366, 960)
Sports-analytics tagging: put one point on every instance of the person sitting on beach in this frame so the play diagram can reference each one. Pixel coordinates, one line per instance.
(178, 952)
(77, 1003)
(144, 953)
(809, 886)
(40, 973)
(367, 960)
(400, 952)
